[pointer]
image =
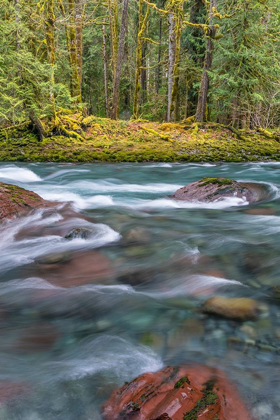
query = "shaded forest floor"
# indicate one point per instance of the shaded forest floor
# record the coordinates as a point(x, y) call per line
point(89, 139)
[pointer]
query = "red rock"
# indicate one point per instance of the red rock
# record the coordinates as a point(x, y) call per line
point(173, 393)
point(261, 212)
point(15, 200)
point(214, 189)
point(81, 268)
point(39, 337)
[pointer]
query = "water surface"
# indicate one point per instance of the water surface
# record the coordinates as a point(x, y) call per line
point(79, 318)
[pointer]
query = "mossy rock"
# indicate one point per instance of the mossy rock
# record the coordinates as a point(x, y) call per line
point(209, 190)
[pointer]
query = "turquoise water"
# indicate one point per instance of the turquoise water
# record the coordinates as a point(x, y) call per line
point(80, 317)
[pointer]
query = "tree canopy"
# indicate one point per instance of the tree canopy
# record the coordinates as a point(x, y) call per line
point(160, 60)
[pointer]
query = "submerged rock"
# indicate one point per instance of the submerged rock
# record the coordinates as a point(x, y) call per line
point(177, 393)
point(79, 232)
point(36, 338)
point(208, 190)
point(54, 258)
point(235, 308)
point(15, 200)
point(137, 235)
point(72, 269)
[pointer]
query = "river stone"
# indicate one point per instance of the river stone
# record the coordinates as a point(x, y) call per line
point(137, 235)
point(208, 190)
point(36, 338)
point(79, 232)
point(15, 201)
point(177, 393)
point(235, 308)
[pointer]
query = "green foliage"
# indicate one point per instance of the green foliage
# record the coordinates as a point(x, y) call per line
point(245, 75)
point(244, 86)
point(24, 75)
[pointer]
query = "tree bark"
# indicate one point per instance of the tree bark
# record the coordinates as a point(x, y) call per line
point(158, 71)
point(74, 62)
point(200, 115)
point(117, 78)
point(79, 12)
point(171, 61)
point(144, 74)
point(50, 20)
point(201, 108)
point(105, 64)
point(175, 27)
point(37, 125)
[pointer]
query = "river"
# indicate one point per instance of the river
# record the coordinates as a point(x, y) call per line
point(80, 317)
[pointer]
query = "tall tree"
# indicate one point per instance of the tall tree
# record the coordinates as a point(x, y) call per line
point(139, 56)
point(210, 30)
point(175, 19)
point(118, 66)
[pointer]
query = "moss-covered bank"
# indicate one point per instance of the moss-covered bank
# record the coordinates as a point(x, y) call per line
point(99, 139)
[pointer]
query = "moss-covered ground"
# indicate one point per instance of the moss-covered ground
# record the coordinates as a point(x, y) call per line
point(89, 139)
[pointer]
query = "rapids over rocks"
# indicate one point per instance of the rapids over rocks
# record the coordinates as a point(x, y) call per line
point(117, 279)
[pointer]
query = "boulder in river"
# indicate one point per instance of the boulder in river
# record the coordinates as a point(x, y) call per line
point(15, 200)
point(177, 393)
point(208, 190)
point(235, 308)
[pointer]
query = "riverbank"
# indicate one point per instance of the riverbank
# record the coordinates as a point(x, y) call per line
point(89, 139)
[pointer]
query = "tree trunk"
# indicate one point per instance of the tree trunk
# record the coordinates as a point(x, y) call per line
point(117, 78)
point(158, 71)
point(37, 125)
point(144, 74)
point(114, 32)
point(74, 62)
point(50, 20)
point(171, 61)
point(105, 70)
point(200, 115)
point(201, 108)
point(79, 12)
point(139, 52)
point(175, 27)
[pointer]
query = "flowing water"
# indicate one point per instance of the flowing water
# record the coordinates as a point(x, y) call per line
point(80, 317)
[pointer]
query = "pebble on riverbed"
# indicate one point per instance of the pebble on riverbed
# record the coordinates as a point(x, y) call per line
point(235, 308)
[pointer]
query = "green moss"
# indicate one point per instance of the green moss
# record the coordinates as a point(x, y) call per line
point(216, 181)
point(209, 398)
point(182, 382)
point(126, 141)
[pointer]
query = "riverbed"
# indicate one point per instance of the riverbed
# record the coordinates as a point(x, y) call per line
point(81, 316)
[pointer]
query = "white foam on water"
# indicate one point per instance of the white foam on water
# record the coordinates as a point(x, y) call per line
point(28, 283)
point(107, 353)
point(264, 224)
point(177, 204)
point(158, 165)
point(191, 285)
point(100, 201)
point(21, 252)
point(202, 164)
point(184, 287)
point(16, 173)
point(106, 186)
point(66, 172)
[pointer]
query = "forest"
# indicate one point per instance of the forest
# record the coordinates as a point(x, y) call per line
point(167, 60)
